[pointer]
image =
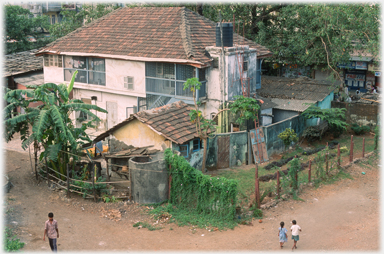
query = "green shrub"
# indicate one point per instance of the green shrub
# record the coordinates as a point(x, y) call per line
point(377, 135)
point(11, 243)
point(288, 136)
point(359, 130)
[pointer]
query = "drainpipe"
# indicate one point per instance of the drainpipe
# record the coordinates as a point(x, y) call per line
point(197, 90)
point(223, 69)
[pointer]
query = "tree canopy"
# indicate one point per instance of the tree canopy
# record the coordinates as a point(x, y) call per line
point(306, 34)
point(20, 26)
point(73, 20)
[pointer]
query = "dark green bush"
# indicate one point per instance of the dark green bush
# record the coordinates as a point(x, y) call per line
point(359, 130)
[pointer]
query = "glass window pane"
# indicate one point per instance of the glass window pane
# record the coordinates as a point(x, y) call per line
point(80, 77)
point(184, 72)
point(181, 92)
point(96, 64)
point(150, 69)
point(160, 86)
point(96, 78)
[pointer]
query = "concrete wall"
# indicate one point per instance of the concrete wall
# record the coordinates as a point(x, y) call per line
point(325, 103)
point(137, 134)
point(362, 114)
point(149, 180)
point(273, 143)
point(113, 91)
point(237, 150)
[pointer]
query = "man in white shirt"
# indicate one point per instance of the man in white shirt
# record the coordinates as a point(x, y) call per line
point(295, 233)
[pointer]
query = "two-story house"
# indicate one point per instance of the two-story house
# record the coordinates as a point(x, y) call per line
point(138, 58)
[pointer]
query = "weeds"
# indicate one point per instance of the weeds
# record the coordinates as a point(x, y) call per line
point(11, 243)
point(146, 225)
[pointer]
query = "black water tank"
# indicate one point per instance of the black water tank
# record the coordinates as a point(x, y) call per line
point(227, 35)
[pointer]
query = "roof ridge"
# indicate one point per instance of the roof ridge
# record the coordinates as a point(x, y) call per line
point(185, 30)
point(81, 28)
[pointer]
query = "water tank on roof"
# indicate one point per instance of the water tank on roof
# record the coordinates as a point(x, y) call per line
point(227, 35)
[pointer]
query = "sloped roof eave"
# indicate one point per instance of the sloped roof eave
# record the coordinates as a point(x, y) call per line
point(130, 58)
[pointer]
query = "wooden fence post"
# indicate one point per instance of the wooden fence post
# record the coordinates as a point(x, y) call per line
point(35, 152)
point(338, 156)
point(309, 171)
point(68, 195)
point(93, 180)
point(108, 165)
point(363, 146)
point(169, 183)
point(257, 193)
point(351, 150)
point(46, 170)
point(278, 183)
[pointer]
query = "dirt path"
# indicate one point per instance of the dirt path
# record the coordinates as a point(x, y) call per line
point(340, 217)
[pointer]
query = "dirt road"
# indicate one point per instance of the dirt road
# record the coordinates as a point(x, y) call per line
point(340, 217)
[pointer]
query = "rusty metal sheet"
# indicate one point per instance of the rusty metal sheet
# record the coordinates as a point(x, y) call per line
point(223, 152)
point(258, 145)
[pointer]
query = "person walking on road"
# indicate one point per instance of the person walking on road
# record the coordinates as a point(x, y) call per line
point(282, 234)
point(295, 233)
point(52, 231)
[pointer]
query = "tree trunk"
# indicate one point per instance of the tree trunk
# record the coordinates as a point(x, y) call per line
point(204, 154)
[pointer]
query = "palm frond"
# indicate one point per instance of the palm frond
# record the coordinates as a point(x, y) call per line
point(41, 124)
point(53, 151)
point(58, 121)
point(70, 87)
point(27, 142)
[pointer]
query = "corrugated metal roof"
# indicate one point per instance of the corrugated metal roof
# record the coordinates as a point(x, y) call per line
point(30, 79)
point(293, 105)
point(302, 88)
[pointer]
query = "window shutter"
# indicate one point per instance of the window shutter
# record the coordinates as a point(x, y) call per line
point(60, 61)
point(130, 83)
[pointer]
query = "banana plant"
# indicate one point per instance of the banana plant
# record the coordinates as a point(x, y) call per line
point(51, 124)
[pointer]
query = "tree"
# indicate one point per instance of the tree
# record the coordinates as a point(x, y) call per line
point(335, 117)
point(247, 107)
point(288, 136)
point(73, 20)
point(318, 34)
point(20, 26)
point(204, 127)
point(51, 123)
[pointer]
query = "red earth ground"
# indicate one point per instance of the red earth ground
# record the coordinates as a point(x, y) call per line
point(343, 216)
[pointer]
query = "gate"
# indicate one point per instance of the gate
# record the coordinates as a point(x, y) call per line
point(223, 151)
point(258, 142)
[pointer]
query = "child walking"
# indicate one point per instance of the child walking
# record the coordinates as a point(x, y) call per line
point(295, 233)
point(282, 234)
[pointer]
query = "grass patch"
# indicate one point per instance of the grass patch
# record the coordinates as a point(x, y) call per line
point(186, 217)
point(146, 225)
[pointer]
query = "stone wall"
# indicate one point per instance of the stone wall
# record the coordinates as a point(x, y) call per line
point(362, 114)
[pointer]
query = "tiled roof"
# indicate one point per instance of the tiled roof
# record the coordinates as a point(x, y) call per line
point(164, 33)
point(22, 62)
point(170, 121)
point(302, 88)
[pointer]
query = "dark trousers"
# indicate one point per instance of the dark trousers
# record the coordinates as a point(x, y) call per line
point(52, 244)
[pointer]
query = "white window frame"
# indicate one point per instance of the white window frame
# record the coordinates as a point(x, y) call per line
point(127, 84)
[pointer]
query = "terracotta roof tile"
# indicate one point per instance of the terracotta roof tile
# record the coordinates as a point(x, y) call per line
point(152, 32)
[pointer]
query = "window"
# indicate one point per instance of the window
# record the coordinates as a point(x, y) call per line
point(184, 150)
point(128, 83)
point(53, 60)
point(91, 70)
point(53, 19)
point(245, 66)
point(196, 144)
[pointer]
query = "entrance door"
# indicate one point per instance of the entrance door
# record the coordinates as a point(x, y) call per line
point(112, 114)
point(223, 151)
